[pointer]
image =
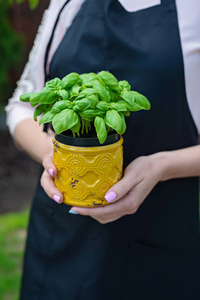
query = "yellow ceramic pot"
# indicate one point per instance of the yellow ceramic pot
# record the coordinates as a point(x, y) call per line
point(85, 174)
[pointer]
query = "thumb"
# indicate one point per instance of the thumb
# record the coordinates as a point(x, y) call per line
point(121, 188)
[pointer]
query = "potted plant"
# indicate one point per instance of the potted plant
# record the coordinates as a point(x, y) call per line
point(87, 113)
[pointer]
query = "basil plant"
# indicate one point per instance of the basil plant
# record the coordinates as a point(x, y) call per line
point(83, 102)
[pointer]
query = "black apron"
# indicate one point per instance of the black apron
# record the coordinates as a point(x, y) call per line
point(154, 253)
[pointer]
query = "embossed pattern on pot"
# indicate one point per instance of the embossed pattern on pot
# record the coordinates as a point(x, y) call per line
point(86, 174)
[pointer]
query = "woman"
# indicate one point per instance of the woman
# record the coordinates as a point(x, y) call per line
point(147, 243)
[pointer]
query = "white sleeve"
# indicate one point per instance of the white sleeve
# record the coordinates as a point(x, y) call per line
point(32, 78)
point(189, 25)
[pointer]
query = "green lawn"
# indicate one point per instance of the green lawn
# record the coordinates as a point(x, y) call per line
point(12, 239)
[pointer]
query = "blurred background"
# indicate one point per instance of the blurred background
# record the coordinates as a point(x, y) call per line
point(18, 173)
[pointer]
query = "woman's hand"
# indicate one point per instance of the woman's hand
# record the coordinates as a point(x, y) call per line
point(139, 179)
point(47, 181)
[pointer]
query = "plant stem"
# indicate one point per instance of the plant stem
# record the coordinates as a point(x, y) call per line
point(83, 125)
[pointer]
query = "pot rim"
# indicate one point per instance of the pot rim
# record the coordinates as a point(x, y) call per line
point(86, 142)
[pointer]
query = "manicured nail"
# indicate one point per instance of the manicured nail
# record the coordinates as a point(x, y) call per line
point(51, 172)
point(56, 198)
point(110, 197)
point(73, 212)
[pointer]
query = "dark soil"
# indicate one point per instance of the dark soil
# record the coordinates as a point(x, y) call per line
point(18, 176)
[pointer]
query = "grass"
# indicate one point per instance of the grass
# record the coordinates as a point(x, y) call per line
point(12, 241)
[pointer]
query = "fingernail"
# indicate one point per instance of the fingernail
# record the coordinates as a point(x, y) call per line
point(110, 197)
point(73, 212)
point(51, 172)
point(56, 198)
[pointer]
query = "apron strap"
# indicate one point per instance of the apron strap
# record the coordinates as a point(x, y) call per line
point(50, 41)
point(47, 51)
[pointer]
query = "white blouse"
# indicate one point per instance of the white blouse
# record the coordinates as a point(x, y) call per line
point(32, 79)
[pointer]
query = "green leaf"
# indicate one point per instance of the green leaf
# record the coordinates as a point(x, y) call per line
point(47, 117)
point(40, 109)
point(34, 99)
point(100, 127)
point(141, 100)
point(100, 113)
point(76, 128)
point(114, 120)
point(124, 85)
point(70, 104)
point(85, 93)
point(101, 90)
point(44, 97)
point(44, 90)
point(64, 94)
point(135, 107)
point(136, 100)
point(65, 120)
point(126, 113)
point(123, 124)
point(26, 97)
point(128, 97)
point(102, 105)
point(54, 84)
point(85, 86)
point(75, 91)
point(82, 77)
point(69, 80)
point(118, 106)
point(114, 96)
point(110, 80)
point(90, 78)
point(94, 100)
point(33, 104)
point(81, 104)
point(88, 114)
point(60, 105)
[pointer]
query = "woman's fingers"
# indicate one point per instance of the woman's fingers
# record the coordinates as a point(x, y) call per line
point(139, 179)
point(109, 213)
point(49, 187)
point(122, 187)
point(49, 166)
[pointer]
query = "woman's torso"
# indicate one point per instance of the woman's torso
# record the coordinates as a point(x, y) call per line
point(154, 252)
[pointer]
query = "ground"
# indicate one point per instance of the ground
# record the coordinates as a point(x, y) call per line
point(18, 176)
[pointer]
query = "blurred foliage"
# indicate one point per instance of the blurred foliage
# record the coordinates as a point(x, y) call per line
point(11, 45)
point(12, 240)
point(32, 3)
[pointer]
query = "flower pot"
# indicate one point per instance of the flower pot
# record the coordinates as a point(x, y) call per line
point(87, 169)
